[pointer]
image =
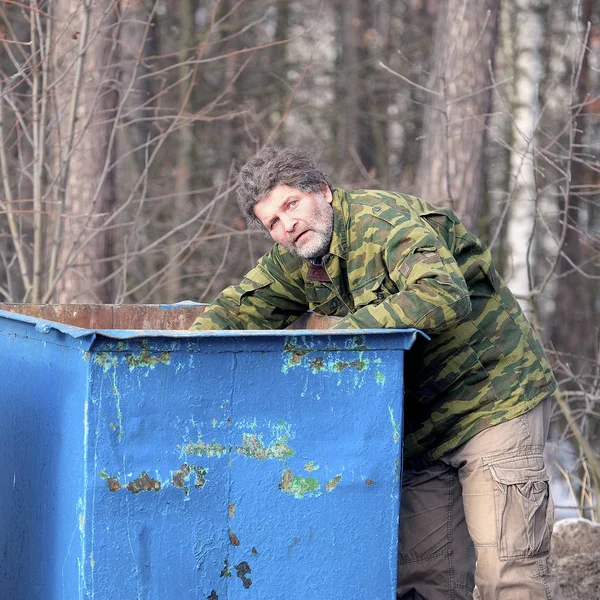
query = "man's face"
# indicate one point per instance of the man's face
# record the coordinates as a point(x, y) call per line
point(302, 223)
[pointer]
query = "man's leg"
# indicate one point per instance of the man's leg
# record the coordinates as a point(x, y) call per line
point(436, 556)
point(508, 507)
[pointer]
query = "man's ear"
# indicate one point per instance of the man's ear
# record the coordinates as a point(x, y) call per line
point(326, 191)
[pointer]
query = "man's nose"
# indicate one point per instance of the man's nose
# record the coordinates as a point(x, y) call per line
point(288, 223)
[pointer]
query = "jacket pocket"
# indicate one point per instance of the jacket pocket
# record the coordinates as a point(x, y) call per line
point(523, 506)
point(256, 279)
point(439, 379)
point(373, 292)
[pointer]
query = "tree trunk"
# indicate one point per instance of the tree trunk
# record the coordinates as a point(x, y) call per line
point(86, 158)
point(576, 331)
point(450, 169)
point(528, 31)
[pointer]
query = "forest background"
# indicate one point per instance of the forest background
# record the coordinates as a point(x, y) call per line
point(123, 124)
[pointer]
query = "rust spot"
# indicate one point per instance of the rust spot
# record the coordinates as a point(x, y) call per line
point(340, 366)
point(143, 483)
point(233, 539)
point(369, 482)
point(147, 359)
point(213, 596)
point(228, 421)
point(332, 483)
point(317, 364)
point(231, 511)
point(254, 552)
point(225, 572)
point(112, 426)
point(297, 353)
point(243, 569)
point(181, 475)
point(113, 484)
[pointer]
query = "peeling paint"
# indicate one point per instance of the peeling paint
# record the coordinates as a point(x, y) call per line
point(297, 353)
point(379, 377)
point(233, 539)
point(181, 476)
point(117, 395)
point(369, 482)
point(360, 365)
point(254, 551)
point(396, 426)
point(310, 466)
point(113, 484)
point(297, 486)
point(213, 596)
point(147, 359)
point(143, 483)
point(121, 346)
point(231, 511)
point(332, 483)
point(357, 343)
point(243, 570)
point(106, 360)
point(253, 447)
point(200, 448)
point(225, 572)
point(317, 364)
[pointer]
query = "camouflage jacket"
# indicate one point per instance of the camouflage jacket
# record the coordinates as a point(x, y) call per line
point(396, 261)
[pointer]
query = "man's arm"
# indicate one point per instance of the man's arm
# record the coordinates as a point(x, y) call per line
point(433, 294)
point(270, 296)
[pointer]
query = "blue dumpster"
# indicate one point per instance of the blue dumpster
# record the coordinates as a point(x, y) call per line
point(211, 465)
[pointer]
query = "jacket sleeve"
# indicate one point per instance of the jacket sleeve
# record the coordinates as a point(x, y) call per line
point(432, 293)
point(270, 296)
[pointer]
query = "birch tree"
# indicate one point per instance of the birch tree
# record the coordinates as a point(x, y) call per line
point(523, 22)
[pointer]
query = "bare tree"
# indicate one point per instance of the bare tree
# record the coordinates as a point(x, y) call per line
point(451, 165)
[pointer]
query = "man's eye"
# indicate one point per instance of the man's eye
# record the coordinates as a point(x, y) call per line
point(293, 203)
point(273, 223)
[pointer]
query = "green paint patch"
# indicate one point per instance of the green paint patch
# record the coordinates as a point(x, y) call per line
point(297, 486)
point(121, 346)
point(395, 425)
point(310, 466)
point(106, 360)
point(201, 448)
point(332, 483)
point(253, 447)
point(379, 377)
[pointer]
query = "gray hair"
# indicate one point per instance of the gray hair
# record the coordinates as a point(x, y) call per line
point(272, 167)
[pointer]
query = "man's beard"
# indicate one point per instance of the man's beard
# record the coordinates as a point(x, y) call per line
point(320, 230)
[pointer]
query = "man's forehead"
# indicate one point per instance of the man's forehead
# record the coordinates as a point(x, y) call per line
point(280, 192)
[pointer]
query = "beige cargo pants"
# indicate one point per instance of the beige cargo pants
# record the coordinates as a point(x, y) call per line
point(487, 504)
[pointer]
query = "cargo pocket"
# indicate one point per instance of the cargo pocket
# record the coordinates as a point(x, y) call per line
point(524, 509)
point(257, 278)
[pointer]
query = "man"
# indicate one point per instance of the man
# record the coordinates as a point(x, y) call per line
point(477, 406)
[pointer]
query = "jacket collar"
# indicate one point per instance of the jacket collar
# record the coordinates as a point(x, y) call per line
point(339, 239)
